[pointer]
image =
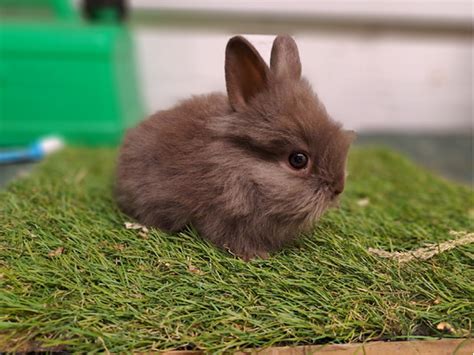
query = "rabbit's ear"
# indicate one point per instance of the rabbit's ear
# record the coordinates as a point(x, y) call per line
point(285, 60)
point(246, 73)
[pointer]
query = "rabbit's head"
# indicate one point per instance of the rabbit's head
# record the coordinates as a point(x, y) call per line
point(281, 134)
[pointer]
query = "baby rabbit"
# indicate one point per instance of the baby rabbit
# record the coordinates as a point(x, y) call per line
point(250, 170)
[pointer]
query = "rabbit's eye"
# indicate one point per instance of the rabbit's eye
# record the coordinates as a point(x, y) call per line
point(298, 160)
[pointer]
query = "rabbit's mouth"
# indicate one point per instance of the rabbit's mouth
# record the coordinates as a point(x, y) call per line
point(334, 199)
point(335, 202)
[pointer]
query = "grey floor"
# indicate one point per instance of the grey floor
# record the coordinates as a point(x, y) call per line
point(448, 155)
point(11, 171)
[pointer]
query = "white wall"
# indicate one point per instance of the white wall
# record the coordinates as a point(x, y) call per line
point(388, 83)
point(370, 81)
point(441, 10)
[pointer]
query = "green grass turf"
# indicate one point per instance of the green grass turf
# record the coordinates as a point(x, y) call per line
point(114, 289)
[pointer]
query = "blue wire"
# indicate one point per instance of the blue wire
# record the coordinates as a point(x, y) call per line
point(34, 152)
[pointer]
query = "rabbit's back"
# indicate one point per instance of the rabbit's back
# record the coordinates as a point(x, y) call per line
point(157, 156)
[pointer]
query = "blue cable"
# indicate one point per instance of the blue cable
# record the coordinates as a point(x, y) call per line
point(32, 153)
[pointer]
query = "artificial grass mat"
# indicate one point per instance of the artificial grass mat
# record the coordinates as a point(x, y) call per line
point(119, 289)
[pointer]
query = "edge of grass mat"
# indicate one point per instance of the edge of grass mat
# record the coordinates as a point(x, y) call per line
point(389, 268)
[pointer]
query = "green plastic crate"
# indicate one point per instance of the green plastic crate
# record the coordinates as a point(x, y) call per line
point(66, 77)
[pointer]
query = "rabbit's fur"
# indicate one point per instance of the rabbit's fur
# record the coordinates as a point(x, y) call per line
point(221, 163)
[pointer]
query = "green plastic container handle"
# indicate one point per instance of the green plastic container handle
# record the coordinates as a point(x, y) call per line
point(105, 11)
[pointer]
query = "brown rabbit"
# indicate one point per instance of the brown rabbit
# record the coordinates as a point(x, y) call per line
point(251, 170)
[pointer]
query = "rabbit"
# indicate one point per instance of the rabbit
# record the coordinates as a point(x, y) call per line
point(250, 171)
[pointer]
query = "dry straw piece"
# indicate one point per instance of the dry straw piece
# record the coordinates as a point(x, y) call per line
point(136, 226)
point(56, 252)
point(427, 252)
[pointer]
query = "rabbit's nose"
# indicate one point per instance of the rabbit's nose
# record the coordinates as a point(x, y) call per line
point(338, 186)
